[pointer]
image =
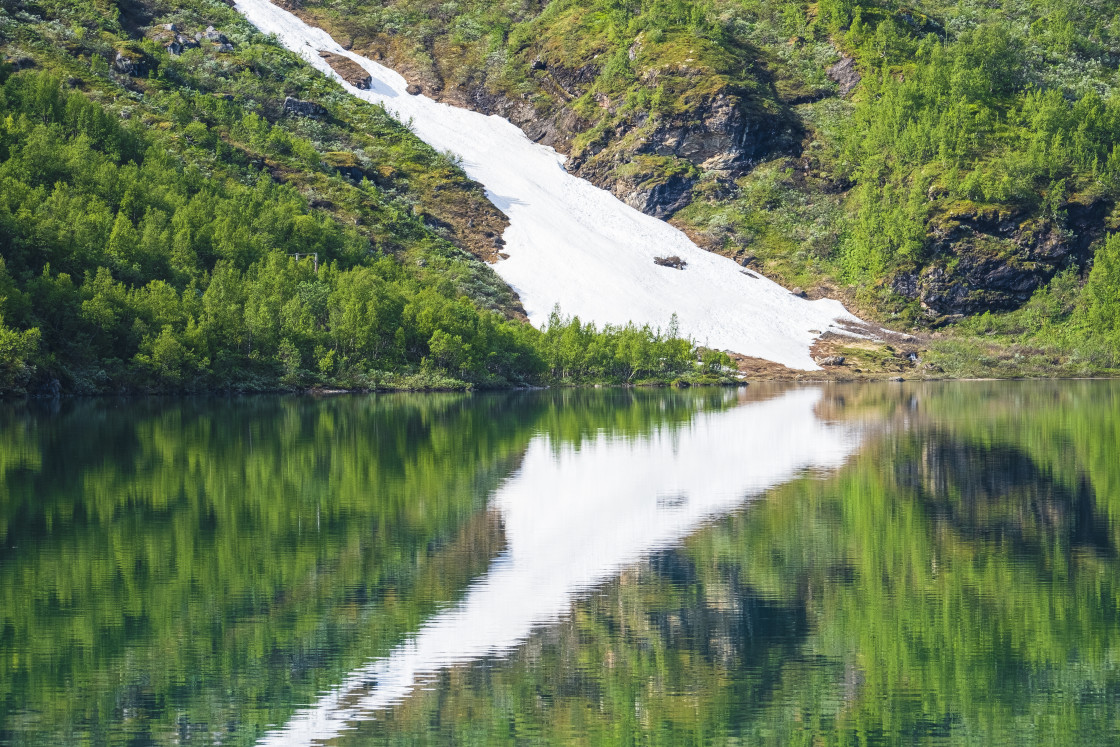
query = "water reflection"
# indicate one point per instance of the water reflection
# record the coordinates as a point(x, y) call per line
point(574, 516)
point(955, 582)
point(918, 564)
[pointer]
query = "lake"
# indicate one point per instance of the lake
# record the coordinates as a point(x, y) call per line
point(908, 563)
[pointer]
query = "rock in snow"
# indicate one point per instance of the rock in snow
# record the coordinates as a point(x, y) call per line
point(570, 242)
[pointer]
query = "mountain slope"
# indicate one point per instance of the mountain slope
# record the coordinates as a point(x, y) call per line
point(960, 161)
point(187, 206)
point(571, 244)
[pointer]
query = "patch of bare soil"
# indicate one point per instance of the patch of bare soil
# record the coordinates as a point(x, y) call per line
point(350, 71)
point(879, 354)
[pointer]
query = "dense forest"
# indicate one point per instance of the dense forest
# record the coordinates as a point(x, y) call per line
point(174, 222)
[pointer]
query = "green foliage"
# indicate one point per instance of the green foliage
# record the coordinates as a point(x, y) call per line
point(141, 273)
point(1102, 296)
point(17, 349)
point(581, 352)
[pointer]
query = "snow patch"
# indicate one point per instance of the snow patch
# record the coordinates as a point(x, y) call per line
point(570, 242)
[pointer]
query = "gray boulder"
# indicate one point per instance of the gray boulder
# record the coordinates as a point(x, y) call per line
point(845, 74)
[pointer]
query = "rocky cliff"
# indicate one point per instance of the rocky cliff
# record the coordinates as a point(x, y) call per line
point(994, 260)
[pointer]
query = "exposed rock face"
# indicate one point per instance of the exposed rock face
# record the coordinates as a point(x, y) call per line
point(130, 63)
point(180, 43)
point(212, 35)
point(573, 81)
point(660, 199)
point(350, 71)
point(845, 74)
point(674, 261)
point(727, 133)
point(718, 136)
point(20, 63)
point(297, 108)
point(992, 261)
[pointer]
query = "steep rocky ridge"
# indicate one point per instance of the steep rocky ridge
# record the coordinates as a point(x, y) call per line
point(747, 127)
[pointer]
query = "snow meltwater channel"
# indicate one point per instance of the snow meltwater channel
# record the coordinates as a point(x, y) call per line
point(570, 242)
point(573, 517)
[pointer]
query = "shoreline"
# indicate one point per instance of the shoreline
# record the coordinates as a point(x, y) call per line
point(473, 390)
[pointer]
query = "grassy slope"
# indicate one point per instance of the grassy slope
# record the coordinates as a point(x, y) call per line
point(965, 111)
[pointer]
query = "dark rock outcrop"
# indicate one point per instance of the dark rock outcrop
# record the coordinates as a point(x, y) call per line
point(219, 39)
point(573, 82)
point(988, 260)
point(20, 63)
point(180, 44)
point(721, 135)
point(297, 108)
point(658, 198)
point(675, 262)
point(128, 62)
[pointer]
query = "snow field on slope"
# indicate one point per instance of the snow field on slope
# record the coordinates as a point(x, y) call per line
point(574, 244)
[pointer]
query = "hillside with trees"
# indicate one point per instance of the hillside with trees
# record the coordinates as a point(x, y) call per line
point(947, 168)
point(187, 207)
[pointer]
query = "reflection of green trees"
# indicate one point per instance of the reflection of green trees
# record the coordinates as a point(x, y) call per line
point(217, 557)
point(179, 567)
point(956, 582)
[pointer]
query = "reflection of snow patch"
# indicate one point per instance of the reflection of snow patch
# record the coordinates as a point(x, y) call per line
point(573, 518)
point(572, 243)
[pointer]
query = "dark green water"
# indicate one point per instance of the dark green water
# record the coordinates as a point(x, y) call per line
point(881, 564)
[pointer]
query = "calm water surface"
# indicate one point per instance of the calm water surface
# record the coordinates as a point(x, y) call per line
point(845, 564)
